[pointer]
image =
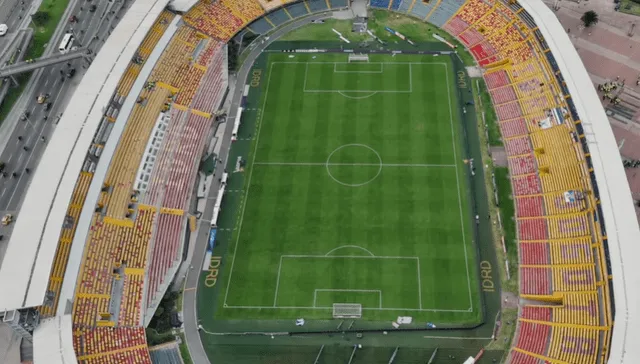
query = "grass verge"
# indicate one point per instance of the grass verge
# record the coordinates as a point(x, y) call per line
point(184, 350)
point(630, 7)
point(43, 32)
point(507, 213)
point(490, 119)
point(13, 95)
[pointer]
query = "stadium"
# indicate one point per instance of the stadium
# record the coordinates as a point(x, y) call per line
point(322, 200)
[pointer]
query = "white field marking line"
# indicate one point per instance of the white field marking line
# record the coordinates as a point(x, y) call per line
point(353, 164)
point(455, 158)
point(331, 308)
point(421, 63)
point(354, 184)
point(246, 196)
point(306, 72)
point(359, 91)
point(315, 293)
point(345, 256)
point(275, 297)
point(356, 97)
point(419, 285)
point(349, 246)
point(335, 70)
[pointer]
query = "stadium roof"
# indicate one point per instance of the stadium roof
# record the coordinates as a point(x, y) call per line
point(619, 215)
point(53, 341)
point(182, 5)
point(24, 273)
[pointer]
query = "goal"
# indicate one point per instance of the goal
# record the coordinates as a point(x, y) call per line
point(354, 57)
point(347, 310)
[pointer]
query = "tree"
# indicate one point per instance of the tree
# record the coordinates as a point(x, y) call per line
point(159, 312)
point(589, 18)
point(40, 17)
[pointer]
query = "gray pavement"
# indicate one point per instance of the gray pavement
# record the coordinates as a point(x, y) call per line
point(13, 13)
point(22, 142)
point(25, 66)
point(194, 343)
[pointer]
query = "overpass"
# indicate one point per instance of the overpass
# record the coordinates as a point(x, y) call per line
point(27, 66)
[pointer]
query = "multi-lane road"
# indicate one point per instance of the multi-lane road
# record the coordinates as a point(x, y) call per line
point(13, 14)
point(24, 141)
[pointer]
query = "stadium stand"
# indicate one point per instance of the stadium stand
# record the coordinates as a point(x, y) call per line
point(278, 17)
point(124, 263)
point(560, 250)
point(82, 186)
point(135, 237)
point(223, 19)
point(113, 272)
point(165, 354)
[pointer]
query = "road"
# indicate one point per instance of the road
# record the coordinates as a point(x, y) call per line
point(12, 13)
point(194, 343)
point(25, 143)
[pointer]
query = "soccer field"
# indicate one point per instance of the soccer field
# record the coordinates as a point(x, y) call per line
point(355, 191)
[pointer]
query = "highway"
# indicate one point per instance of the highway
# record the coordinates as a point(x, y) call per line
point(13, 13)
point(25, 140)
point(190, 314)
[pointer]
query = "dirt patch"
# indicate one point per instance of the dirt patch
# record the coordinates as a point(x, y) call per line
point(509, 300)
point(474, 72)
point(499, 156)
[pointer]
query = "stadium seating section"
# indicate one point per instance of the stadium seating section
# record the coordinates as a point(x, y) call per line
point(135, 236)
point(131, 247)
point(561, 258)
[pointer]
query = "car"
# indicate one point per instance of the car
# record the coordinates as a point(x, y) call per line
point(71, 72)
point(24, 116)
point(92, 8)
point(2, 167)
point(47, 106)
point(3, 29)
point(42, 98)
point(7, 219)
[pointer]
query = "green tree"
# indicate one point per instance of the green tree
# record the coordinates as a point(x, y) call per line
point(159, 311)
point(589, 18)
point(40, 17)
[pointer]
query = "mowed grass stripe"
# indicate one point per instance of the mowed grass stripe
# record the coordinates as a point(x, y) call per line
point(433, 238)
point(404, 211)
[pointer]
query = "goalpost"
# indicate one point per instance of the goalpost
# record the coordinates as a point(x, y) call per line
point(347, 310)
point(355, 57)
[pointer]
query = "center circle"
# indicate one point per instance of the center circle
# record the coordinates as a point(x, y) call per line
point(349, 156)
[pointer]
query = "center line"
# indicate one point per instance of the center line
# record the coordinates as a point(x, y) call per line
point(353, 164)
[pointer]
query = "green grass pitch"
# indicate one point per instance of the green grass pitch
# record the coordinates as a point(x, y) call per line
point(356, 192)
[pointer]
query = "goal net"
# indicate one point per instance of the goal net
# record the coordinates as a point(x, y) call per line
point(347, 310)
point(354, 57)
